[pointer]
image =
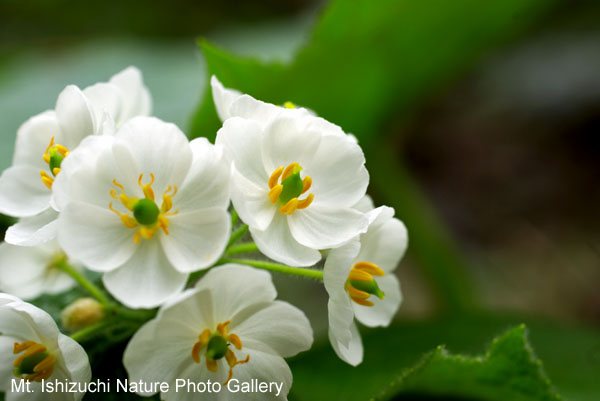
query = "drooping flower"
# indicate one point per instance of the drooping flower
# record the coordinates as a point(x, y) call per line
point(45, 140)
point(228, 326)
point(146, 207)
point(359, 279)
point(32, 349)
point(28, 272)
point(295, 178)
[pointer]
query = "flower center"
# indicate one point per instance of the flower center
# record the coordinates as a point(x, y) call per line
point(217, 346)
point(361, 284)
point(145, 213)
point(35, 364)
point(54, 155)
point(291, 186)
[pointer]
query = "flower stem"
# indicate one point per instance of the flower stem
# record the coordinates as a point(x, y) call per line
point(237, 234)
point(83, 281)
point(90, 331)
point(242, 248)
point(234, 217)
point(275, 267)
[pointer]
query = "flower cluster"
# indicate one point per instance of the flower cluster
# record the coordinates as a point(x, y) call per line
point(99, 183)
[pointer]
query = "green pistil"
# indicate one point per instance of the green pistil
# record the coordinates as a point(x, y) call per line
point(369, 287)
point(216, 348)
point(292, 186)
point(27, 365)
point(146, 212)
point(55, 159)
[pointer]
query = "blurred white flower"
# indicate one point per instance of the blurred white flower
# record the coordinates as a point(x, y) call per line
point(28, 272)
point(295, 177)
point(359, 279)
point(146, 207)
point(32, 349)
point(228, 326)
point(46, 139)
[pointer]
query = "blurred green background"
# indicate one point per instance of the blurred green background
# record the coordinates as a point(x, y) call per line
point(480, 124)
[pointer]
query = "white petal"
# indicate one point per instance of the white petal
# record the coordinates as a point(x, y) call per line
point(207, 182)
point(75, 116)
point(241, 140)
point(196, 239)
point(251, 201)
point(277, 243)
point(321, 227)
point(136, 99)
point(147, 279)
point(286, 141)
point(22, 192)
point(186, 314)
point(6, 361)
point(22, 270)
point(105, 99)
point(95, 236)
point(76, 361)
point(159, 148)
point(337, 267)
point(263, 367)
point(385, 241)
point(29, 321)
point(365, 204)
point(235, 288)
point(223, 98)
point(288, 332)
point(35, 230)
point(338, 172)
point(351, 354)
point(383, 310)
point(33, 137)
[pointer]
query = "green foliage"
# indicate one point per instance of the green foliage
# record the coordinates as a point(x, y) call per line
point(509, 371)
point(508, 365)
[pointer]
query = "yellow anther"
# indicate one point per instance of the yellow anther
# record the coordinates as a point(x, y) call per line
point(235, 340)
point(289, 105)
point(146, 232)
point(147, 188)
point(275, 192)
point(42, 370)
point(290, 207)
point(61, 150)
point(126, 219)
point(275, 177)
point(212, 365)
point(202, 341)
point(304, 203)
point(223, 329)
point(46, 179)
point(55, 171)
point(48, 148)
point(362, 302)
point(359, 275)
point(168, 200)
point(307, 183)
point(45, 364)
point(232, 361)
point(46, 157)
point(17, 348)
point(289, 170)
point(354, 293)
point(369, 267)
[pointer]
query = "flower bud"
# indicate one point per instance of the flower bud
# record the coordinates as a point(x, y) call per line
point(82, 313)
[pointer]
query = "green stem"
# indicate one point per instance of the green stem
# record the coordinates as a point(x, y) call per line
point(91, 331)
point(242, 248)
point(237, 234)
point(234, 217)
point(275, 267)
point(83, 281)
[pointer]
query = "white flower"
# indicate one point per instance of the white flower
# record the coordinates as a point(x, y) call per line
point(29, 272)
point(360, 282)
point(146, 207)
point(46, 139)
point(295, 179)
point(32, 349)
point(228, 326)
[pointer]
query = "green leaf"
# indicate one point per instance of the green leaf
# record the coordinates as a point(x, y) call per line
point(571, 358)
point(509, 371)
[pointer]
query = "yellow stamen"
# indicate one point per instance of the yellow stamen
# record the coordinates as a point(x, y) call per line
point(202, 341)
point(289, 170)
point(354, 293)
point(307, 183)
point(362, 302)
point(275, 177)
point(43, 369)
point(46, 179)
point(147, 188)
point(359, 275)
point(235, 340)
point(275, 192)
point(232, 361)
point(289, 105)
point(304, 203)
point(289, 207)
point(370, 268)
point(212, 365)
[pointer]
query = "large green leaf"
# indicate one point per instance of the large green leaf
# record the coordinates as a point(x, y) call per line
point(320, 375)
